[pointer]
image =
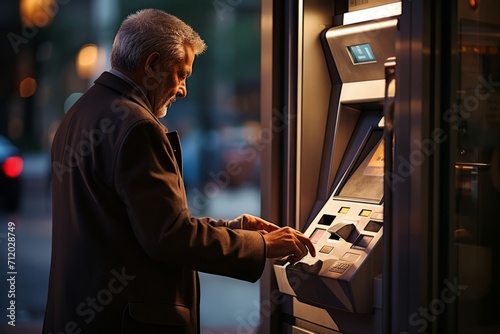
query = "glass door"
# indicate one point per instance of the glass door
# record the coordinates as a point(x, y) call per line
point(473, 120)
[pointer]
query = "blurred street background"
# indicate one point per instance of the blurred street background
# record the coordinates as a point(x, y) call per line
point(52, 50)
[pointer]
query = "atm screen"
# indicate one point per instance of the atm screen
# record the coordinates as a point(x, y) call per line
point(361, 53)
point(365, 182)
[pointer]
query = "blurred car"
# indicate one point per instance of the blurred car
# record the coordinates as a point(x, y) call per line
point(11, 167)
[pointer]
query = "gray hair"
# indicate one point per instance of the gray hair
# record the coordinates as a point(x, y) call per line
point(150, 30)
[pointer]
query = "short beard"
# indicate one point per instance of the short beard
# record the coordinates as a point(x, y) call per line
point(161, 113)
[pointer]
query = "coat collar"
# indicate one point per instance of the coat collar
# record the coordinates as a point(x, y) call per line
point(121, 86)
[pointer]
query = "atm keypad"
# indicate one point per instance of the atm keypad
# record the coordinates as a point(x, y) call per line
point(339, 267)
point(339, 253)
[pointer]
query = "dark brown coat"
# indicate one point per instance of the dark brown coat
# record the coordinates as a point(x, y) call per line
point(125, 248)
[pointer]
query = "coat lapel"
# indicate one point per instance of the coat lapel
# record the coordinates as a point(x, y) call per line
point(175, 142)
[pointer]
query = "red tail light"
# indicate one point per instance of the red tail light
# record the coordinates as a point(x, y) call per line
point(13, 167)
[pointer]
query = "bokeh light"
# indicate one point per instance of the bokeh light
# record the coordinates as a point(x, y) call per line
point(86, 61)
point(37, 13)
point(27, 87)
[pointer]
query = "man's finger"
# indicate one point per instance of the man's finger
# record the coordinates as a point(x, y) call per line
point(306, 241)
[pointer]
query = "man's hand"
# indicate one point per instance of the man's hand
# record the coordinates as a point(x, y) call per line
point(253, 223)
point(288, 242)
point(280, 242)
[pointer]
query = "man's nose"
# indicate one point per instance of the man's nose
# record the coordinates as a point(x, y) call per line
point(182, 92)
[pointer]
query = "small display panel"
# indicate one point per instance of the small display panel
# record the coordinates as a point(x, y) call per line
point(344, 210)
point(326, 220)
point(362, 241)
point(365, 213)
point(326, 249)
point(361, 53)
point(373, 226)
point(351, 257)
point(316, 235)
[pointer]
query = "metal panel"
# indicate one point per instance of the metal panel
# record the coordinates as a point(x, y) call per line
point(313, 97)
point(378, 34)
point(271, 182)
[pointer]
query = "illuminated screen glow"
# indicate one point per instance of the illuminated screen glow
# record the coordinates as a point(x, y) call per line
point(361, 53)
point(366, 182)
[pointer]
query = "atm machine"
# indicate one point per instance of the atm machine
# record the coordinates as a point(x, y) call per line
point(340, 290)
point(398, 190)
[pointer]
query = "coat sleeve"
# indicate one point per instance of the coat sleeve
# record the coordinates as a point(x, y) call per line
point(148, 182)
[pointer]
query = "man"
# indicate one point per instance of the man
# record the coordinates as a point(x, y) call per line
point(125, 248)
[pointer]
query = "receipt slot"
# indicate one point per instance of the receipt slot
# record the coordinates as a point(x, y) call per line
point(347, 230)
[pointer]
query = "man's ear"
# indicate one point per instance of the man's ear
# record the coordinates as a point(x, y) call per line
point(151, 65)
